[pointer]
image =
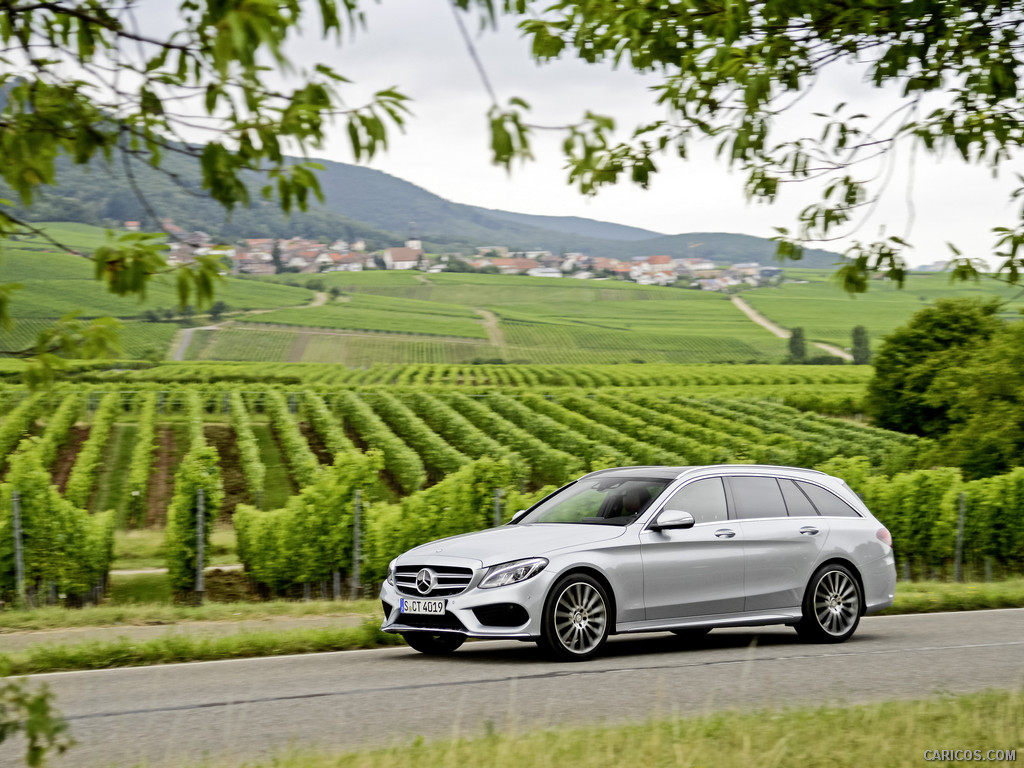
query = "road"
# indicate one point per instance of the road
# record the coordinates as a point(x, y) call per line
point(242, 710)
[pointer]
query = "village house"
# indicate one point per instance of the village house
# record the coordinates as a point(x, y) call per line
point(402, 258)
point(516, 266)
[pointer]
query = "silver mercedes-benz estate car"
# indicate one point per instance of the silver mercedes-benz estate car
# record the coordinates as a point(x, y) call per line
point(642, 549)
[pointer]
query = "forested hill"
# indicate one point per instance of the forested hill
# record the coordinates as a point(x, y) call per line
point(365, 203)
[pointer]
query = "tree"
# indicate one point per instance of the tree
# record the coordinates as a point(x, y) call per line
point(729, 70)
point(80, 82)
point(275, 256)
point(861, 346)
point(937, 338)
point(797, 346)
point(984, 398)
point(30, 711)
point(217, 309)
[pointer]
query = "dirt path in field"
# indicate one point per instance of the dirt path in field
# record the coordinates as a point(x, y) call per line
point(222, 438)
point(782, 333)
point(186, 339)
point(67, 455)
point(160, 487)
point(316, 445)
point(298, 348)
point(494, 333)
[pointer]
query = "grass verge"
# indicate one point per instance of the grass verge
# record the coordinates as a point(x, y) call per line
point(934, 596)
point(895, 733)
point(147, 614)
point(173, 648)
point(147, 548)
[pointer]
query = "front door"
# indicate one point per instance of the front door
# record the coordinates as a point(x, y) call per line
point(696, 571)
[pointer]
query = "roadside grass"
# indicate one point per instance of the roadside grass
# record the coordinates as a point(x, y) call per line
point(145, 548)
point(125, 606)
point(139, 589)
point(174, 648)
point(936, 596)
point(140, 614)
point(894, 733)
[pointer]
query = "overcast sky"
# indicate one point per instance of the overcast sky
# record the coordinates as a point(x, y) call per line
point(416, 46)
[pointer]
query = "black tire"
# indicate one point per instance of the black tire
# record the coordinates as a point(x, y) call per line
point(434, 644)
point(577, 618)
point(691, 635)
point(833, 604)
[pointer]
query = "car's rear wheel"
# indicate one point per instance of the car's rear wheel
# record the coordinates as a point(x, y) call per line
point(832, 605)
point(576, 618)
point(434, 643)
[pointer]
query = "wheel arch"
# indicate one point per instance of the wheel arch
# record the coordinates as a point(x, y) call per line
point(849, 565)
point(596, 574)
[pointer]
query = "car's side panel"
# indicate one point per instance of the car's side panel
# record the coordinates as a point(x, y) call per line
point(619, 562)
point(780, 555)
point(693, 572)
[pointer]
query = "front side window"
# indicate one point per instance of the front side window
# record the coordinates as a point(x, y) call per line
point(704, 499)
point(598, 501)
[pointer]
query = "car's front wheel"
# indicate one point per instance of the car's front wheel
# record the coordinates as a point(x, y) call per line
point(576, 618)
point(434, 644)
point(832, 605)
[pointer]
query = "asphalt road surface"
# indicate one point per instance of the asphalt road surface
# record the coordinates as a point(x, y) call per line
point(243, 710)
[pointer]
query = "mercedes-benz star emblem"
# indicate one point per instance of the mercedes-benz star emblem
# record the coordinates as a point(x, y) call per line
point(426, 580)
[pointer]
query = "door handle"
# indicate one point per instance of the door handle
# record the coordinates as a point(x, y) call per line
point(809, 530)
point(724, 533)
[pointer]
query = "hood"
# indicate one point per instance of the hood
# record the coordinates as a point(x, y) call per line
point(513, 542)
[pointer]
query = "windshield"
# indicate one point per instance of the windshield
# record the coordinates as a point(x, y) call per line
point(599, 501)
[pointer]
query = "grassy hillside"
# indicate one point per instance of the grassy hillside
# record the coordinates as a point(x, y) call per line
point(827, 314)
point(508, 318)
point(55, 283)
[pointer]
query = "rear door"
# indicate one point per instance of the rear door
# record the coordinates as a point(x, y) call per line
point(782, 537)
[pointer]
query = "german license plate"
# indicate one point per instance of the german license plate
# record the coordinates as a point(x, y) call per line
point(433, 607)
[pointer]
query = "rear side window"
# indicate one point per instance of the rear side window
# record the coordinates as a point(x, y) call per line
point(704, 499)
point(754, 497)
point(796, 502)
point(828, 503)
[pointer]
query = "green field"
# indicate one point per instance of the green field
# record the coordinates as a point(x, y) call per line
point(376, 313)
point(827, 314)
point(535, 320)
point(55, 282)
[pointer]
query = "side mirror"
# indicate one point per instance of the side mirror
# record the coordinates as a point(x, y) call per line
point(673, 519)
point(517, 517)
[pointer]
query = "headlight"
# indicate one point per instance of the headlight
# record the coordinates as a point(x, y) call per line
point(391, 573)
point(513, 573)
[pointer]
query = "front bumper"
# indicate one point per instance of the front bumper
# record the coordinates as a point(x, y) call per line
point(460, 616)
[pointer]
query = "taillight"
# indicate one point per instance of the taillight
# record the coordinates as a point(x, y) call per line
point(883, 535)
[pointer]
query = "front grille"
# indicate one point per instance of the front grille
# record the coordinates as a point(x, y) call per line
point(451, 580)
point(446, 621)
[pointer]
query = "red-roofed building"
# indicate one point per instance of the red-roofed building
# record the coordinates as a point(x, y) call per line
point(514, 266)
point(402, 258)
